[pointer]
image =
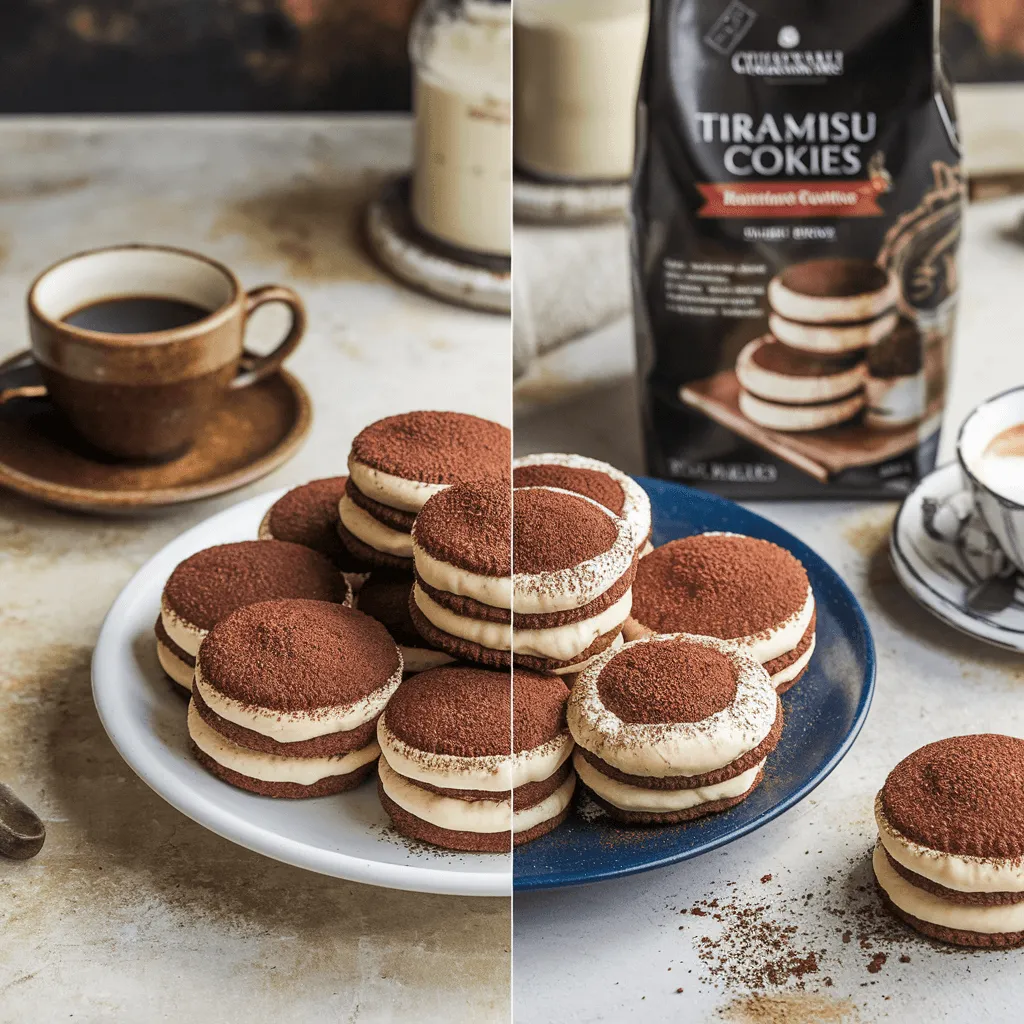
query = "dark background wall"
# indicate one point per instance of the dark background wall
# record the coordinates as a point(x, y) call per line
point(195, 55)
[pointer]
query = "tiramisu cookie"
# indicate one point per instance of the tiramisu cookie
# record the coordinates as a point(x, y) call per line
point(950, 856)
point(397, 463)
point(831, 339)
point(455, 771)
point(833, 291)
point(462, 597)
point(212, 583)
point(287, 695)
point(386, 599)
point(799, 419)
point(308, 515)
point(777, 373)
point(615, 490)
point(574, 565)
point(895, 388)
point(737, 588)
point(673, 727)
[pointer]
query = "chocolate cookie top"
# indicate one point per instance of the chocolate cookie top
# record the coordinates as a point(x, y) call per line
point(386, 599)
point(308, 515)
point(718, 584)
point(298, 656)
point(214, 582)
point(538, 709)
point(898, 355)
point(835, 278)
point(436, 447)
point(469, 526)
point(454, 710)
point(554, 530)
point(789, 362)
point(963, 795)
point(671, 681)
point(591, 482)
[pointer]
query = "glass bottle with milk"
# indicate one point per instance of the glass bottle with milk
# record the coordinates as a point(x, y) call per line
point(462, 180)
point(577, 72)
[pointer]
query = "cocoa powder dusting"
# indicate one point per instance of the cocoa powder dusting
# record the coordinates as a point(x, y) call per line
point(308, 515)
point(719, 585)
point(667, 682)
point(789, 362)
point(553, 530)
point(436, 447)
point(590, 482)
point(470, 526)
point(963, 795)
point(538, 708)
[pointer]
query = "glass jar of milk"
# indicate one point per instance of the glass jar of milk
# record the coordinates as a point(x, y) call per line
point(577, 72)
point(462, 180)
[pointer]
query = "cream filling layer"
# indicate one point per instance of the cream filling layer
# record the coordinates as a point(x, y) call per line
point(370, 531)
point(492, 774)
point(926, 906)
point(636, 505)
point(960, 872)
point(566, 670)
point(180, 671)
point(184, 634)
point(395, 491)
point(790, 673)
point(681, 748)
point(481, 816)
point(293, 726)
point(562, 643)
point(565, 589)
point(419, 659)
point(635, 798)
point(255, 764)
point(495, 591)
point(264, 532)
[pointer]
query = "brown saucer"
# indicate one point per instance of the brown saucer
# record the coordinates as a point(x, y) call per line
point(255, 430)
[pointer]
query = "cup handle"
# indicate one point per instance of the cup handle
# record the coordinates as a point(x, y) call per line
point(19, 361)
point(254, 367)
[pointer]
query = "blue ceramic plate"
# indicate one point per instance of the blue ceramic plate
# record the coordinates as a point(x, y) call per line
point(824, 713)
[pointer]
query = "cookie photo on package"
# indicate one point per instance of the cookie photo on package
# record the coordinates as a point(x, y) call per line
point(796, 218)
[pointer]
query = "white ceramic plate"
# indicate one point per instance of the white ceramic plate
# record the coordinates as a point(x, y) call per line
point(939, 549)
point(347, 835)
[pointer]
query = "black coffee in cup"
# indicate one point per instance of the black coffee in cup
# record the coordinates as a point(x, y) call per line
point(135, 314)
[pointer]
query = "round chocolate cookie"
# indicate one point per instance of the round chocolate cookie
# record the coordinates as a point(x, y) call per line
point(214, 582)
point(575, 562)
point(449, 774)
point(619, 493)
point(777, 373)
point(308, 515)
point(386, 599)
point(737, 588)
point(287, 694)
point(673, 727)
point(462, 551)
point(950, 857)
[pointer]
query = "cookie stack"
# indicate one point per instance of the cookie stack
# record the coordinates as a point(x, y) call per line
point(594, 479)
point(287, 695)
point(809, 372)
point(398, 463)
point(461, 601)
point(575, 561)
point(742, 589)
point(211, 584)
point(671, 728)
point(950, 855)
point(454, 773)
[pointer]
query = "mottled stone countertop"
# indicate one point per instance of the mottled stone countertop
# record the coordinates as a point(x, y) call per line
point(797, 894)
point(133, 913)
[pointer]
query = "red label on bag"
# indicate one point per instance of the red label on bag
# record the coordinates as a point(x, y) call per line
point(792, 199)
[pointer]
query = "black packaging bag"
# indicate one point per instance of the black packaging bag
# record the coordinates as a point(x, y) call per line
point(796, 218)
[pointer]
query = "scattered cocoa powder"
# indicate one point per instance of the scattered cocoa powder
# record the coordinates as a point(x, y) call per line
point(553, 530)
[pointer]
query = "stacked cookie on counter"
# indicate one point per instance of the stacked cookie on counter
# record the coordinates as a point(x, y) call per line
point(822, 363)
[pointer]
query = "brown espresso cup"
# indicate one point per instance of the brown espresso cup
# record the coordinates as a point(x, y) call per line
point(138, 344)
